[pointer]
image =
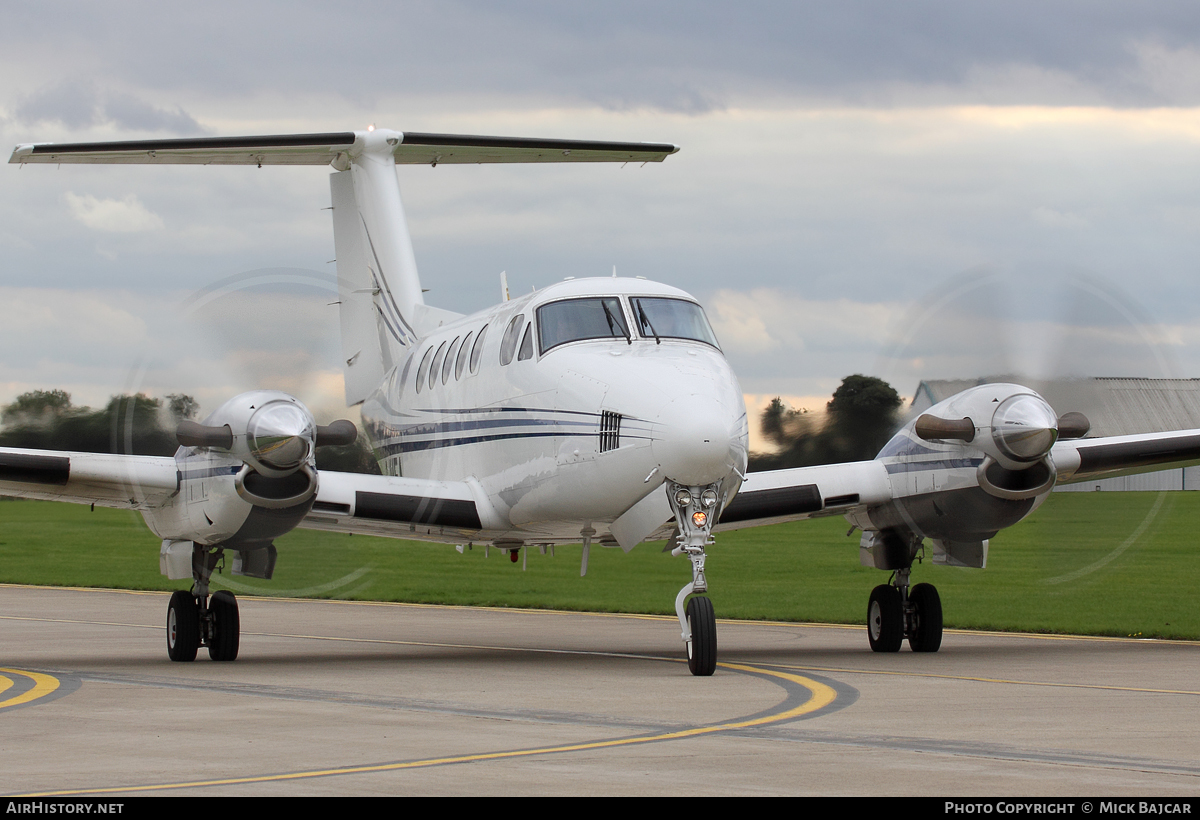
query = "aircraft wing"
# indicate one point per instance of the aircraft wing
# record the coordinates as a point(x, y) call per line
point(409, 148)
point(110, 480)
point(806, 492)
point(454, 512)
point(1092, 458)
point(423, 509)
point(836, 489)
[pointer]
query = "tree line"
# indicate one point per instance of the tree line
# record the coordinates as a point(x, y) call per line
point(858, 420)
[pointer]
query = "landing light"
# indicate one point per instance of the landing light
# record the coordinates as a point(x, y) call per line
point(683, 498)
point(699, 518)
point(708, 498)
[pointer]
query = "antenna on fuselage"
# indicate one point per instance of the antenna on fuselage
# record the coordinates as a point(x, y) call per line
point(614, 271)
point(504, 286)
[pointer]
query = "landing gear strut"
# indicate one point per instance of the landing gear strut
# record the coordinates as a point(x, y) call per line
point(695, 513)
point(195, 620)
point(896, 612)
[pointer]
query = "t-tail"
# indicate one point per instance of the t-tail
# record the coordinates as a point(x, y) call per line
point(383, 312)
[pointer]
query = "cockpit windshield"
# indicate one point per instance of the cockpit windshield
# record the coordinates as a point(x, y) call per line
point(659, 318)
point(576, 319)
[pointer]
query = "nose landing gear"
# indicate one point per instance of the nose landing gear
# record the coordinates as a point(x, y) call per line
point(695, 511)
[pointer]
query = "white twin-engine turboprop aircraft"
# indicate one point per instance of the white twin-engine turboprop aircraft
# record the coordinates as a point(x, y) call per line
point(594, 411)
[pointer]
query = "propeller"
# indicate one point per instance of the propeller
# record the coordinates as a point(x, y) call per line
point(1033, 341)
point(275, 328)
point(1047, 333)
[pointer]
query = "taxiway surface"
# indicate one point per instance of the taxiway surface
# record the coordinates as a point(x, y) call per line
point(356, 698)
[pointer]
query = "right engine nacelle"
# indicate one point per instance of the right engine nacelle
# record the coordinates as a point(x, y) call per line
point(247, 473)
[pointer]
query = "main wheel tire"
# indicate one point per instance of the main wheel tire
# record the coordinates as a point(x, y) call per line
point(885, 619)
point(702, 651)
point(926, 633)
point(183, 627)
point(226, 626)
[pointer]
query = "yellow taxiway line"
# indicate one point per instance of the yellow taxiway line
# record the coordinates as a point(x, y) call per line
point(820, 696)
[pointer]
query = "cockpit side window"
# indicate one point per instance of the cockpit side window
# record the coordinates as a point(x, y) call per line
point(575, 320)
point(660, 318)
point(508, 345)
point(526, 344)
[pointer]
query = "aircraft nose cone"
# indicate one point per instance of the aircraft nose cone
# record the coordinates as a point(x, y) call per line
point(1024, 428)
point(694, 440)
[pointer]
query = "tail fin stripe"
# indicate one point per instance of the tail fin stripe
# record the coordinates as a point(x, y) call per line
point(381, 283)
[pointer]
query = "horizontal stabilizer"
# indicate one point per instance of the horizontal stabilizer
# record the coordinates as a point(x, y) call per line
point(409, 148)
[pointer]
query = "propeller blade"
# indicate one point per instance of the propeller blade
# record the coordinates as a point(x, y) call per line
point(1073, 425)
point(931, 427)
point(193, 434)
point(337, 433)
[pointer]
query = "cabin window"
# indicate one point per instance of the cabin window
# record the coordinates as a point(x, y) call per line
point(574, 320)
point(477, 351)
point(526, 344)
point(399, 379)
point(449, 365)
point(659, 318)
point(436, 365)
point(463, 351)
point(508, 345)
point(423, 370)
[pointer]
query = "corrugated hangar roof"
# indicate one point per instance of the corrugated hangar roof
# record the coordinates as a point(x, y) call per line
point(1115, 406)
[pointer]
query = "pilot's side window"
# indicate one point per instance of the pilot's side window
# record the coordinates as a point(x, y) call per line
point(508, 345)
point(477, 351)
point(423, 370)
point(526, 344)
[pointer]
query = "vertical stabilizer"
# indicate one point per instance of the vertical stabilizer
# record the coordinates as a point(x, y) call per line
point(378, 284)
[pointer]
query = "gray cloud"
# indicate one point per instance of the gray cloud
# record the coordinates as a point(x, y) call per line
point(83, 105)
point(673, 56)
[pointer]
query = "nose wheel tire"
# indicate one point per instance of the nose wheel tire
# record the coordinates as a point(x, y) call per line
point(885, 619)
point(926, 633)
point(183, 627)
point(226, 626)
point(702, 648)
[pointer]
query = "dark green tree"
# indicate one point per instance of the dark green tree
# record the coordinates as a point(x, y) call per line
point(859, 419)
point(182, 406)
point(37, 407)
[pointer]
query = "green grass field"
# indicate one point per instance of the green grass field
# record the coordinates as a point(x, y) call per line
point(1087, 563)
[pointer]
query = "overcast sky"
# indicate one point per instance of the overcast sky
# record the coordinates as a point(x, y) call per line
point(914, 190)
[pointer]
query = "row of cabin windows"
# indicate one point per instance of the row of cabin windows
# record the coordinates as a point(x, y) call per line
point(454, 356)
point(570, 320)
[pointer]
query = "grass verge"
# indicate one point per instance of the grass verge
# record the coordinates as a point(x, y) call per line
point(1098, 563)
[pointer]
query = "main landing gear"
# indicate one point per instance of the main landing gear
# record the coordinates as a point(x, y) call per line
point(194, 619)
point(897, 611)
point(695, 509)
